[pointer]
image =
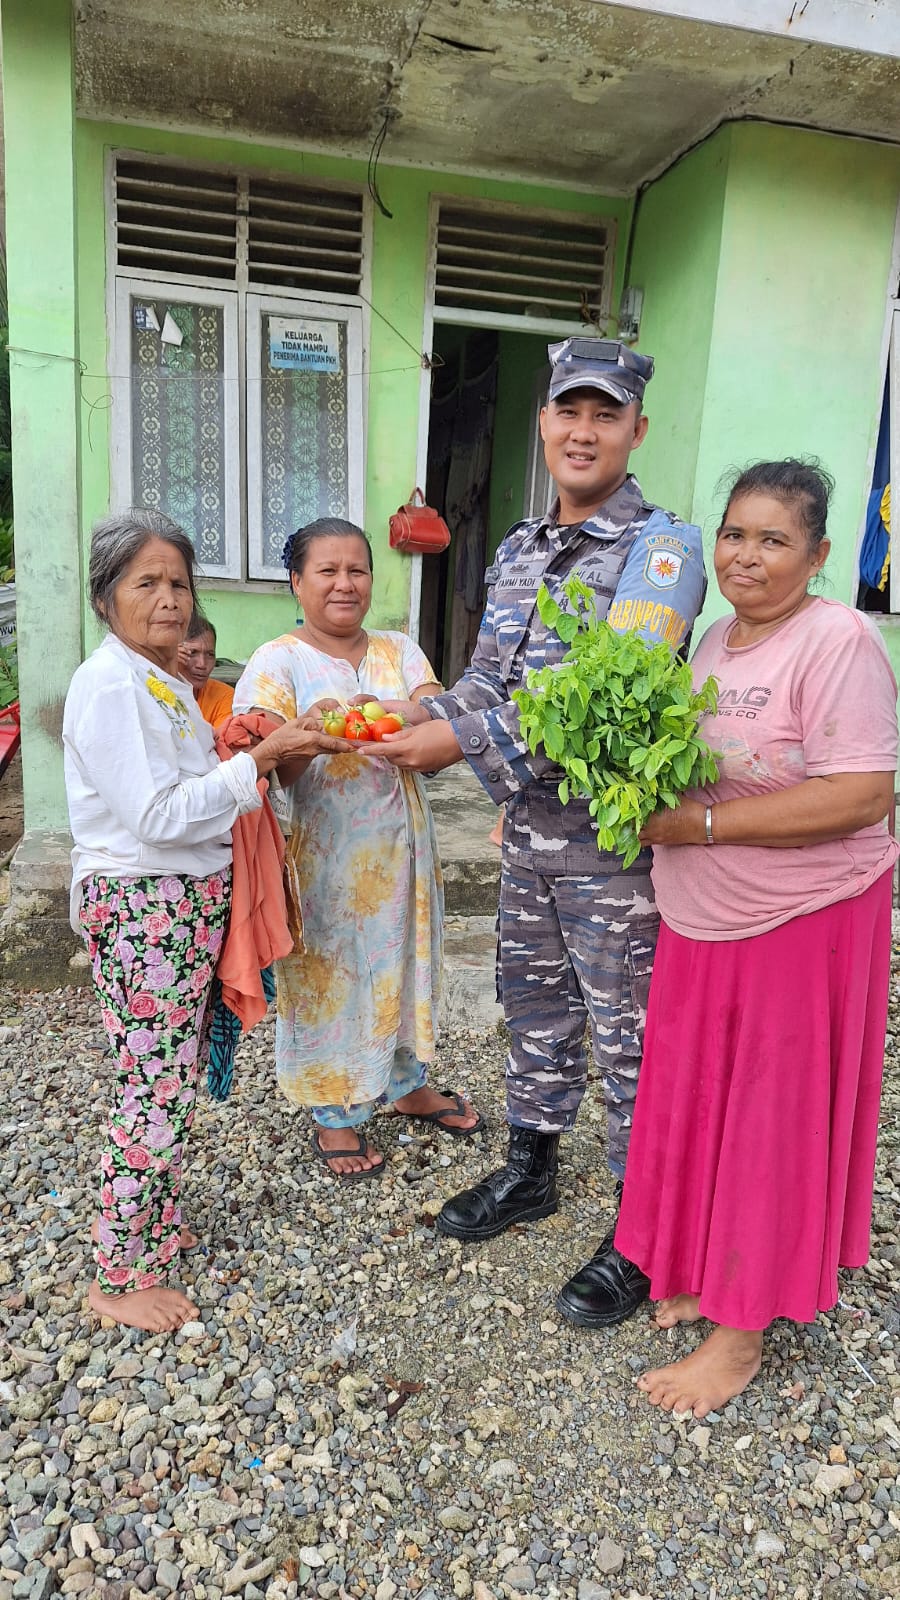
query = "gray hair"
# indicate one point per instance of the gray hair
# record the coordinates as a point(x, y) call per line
point(116, 540)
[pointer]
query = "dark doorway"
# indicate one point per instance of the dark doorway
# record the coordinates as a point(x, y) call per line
point(485, 472)
point(460, 446)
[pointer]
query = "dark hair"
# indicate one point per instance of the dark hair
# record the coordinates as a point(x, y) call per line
point(115, 541)
point(198, 626)
point(296, 548)
point(805, 485)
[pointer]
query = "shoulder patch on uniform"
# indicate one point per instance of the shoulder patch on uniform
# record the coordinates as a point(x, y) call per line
point(666, 556)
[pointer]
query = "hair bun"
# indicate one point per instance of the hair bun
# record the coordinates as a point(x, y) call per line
point(288, 551)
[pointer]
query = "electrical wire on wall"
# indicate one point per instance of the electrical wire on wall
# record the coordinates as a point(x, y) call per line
point(374, 157)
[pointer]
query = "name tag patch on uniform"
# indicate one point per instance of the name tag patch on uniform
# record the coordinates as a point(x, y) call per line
point(665, 561)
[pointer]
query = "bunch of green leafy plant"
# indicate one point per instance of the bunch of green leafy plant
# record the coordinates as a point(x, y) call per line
point(7, 557)
point(9, 675)
point(619, 716)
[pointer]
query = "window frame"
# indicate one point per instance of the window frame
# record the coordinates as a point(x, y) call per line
point(324, 307)
point(539, 490)
point(180, 292)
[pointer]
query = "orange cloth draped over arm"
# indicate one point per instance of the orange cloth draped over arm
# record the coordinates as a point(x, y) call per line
point(258, 931)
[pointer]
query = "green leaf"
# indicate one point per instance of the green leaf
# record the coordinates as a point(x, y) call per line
point(548, 610)
point(621, 718)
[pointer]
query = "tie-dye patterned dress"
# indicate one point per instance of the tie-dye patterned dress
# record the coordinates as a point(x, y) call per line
point(357, 1007)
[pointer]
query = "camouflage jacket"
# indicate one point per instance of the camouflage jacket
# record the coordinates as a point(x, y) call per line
point(646, 569)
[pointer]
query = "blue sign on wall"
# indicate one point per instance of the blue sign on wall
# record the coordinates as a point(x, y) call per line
point(303, 345)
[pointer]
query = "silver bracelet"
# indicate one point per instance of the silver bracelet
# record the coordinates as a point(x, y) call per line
point(709, 832)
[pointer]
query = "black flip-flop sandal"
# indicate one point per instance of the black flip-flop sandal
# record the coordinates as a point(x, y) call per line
point(459, 1108)
point(327, 1156)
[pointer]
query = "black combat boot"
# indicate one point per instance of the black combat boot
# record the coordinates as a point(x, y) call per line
point(522, 1191)
point(606, 1290)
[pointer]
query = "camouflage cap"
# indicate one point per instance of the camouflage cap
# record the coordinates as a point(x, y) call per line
point(599, 364)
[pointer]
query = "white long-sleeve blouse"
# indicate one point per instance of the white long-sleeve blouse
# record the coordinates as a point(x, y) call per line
point(147, 793)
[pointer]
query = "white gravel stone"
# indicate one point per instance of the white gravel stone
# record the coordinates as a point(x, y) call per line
point(83, 1537)
point(768, 1547)
point(829, 1479)
point(609, 1556)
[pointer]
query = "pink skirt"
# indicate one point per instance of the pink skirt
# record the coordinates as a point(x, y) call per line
point(750, 1168)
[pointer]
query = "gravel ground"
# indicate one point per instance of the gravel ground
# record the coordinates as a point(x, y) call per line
point(369, 1409)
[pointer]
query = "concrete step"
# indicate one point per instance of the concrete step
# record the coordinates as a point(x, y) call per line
point(464, 816)
point(468, 988)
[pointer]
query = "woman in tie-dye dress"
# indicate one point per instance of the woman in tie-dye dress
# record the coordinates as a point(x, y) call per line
point(357, 1004)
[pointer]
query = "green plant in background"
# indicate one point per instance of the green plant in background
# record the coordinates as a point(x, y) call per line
point(9, 675)
point(619, 716)
point(7, 555)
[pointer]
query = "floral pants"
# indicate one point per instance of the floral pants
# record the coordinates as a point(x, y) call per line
point(153, 944)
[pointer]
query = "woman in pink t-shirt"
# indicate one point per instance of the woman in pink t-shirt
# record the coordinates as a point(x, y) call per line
point(750, 1168)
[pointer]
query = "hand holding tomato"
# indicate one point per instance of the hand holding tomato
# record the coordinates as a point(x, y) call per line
point(410, 710)
point(389, 723)
point(428, 748)
point(327, 703)
point(295, 741)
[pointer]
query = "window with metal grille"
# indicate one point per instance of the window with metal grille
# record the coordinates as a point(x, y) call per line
point(236, 226)
point(304, 238)
point(172, 219)
point(503, 265)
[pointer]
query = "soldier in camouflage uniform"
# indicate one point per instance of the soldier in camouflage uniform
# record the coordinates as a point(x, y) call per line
point(577, 931)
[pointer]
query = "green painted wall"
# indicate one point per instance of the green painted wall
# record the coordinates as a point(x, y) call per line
point(765, 257)
point(675, 260)
point(399, 248)
point(796, 357)
point(38, 109)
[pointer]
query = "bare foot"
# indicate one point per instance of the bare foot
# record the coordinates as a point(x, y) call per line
point(187, 1239)
point(344, 1139)
point(424, 1102)
point(681, 1308)
point(157, 1310)
point(720, 1368)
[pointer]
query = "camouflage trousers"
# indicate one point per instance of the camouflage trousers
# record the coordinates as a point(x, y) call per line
point(573, 949)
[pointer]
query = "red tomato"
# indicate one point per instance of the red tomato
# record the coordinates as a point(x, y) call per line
point(359, 732)
point(389, 723)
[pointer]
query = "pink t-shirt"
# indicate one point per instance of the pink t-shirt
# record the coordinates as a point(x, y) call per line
point(817, 696)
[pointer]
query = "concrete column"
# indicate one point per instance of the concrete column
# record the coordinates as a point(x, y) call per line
point(39, 125)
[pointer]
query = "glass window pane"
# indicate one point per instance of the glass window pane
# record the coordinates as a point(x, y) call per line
point(178, 418)
point(304, 420)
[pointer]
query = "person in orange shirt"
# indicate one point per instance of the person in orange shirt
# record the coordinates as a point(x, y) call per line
point(196, 659)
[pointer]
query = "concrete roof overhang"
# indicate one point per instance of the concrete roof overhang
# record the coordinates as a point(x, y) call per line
point(573, 92)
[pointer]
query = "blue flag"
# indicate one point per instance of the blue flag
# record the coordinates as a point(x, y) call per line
point(875, 554)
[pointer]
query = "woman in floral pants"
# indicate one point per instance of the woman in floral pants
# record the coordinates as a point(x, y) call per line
point(153, 944)
point(151, 810)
